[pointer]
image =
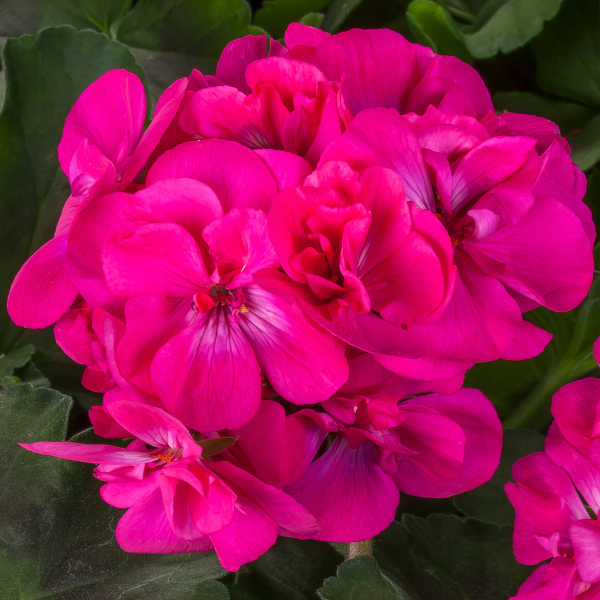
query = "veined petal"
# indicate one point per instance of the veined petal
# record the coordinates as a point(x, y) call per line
point(100, 454)
point(207, 375)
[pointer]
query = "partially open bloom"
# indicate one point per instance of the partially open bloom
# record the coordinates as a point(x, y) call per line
point(180, 496)
point(551, 519)
point(379, 443)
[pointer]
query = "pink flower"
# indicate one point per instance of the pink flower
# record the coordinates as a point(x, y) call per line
point(178, 502)
point(551, 520)
point(202, 321)
point(102, 148)
point(433, 445)
point(512, 216)
point(360, 251)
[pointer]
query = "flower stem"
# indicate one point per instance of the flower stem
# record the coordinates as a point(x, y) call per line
point(358, 549)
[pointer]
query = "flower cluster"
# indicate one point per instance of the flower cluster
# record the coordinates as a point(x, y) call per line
point(557, 500)
point(342, 222)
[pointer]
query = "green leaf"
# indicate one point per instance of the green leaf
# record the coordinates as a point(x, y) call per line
point(194, 27)
point(14, 360)
point(586, 146)
point(99, 13)
point(57, 536)
point(433, 26)
point(275, 15)
point(489, 502)
point(313, 19)
point(44, 77)
point(338, 12)
point(494, 26)
point(361, 579)
point(291, 569)
point(446, 557)
point(568, 53)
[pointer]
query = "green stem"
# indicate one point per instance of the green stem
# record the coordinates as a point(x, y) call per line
point(358, 549)
point(565, 371)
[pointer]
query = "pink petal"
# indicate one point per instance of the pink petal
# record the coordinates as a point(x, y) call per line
point(240, 246)
point(558, 179)
point(155, 427)
point(352, 498)
point(126, 494)
point(381, 137)
point(166, 109)
point(380, 67)
point(207, 375)
point(235, 58)
point(196, 502)
point(152, 320)
point(479, 322)
point(288, 170)
point(292, 518)
point(547, 581)
point(145, 529)
point(546, 256)
point(545, 501)
point(74, 333)
point(475, 415)
point(304, 364)
point(288, 77)
point(575, 409)
point(543, 130)
point(42, 291)
point(251, 534)
point(488, 164)
point(110, 112)
point(105, 425)
point(297, 34)
point(224, 112)
point(426, 368)
point(585, 535)
point(529, 341)
point(100, 454)
point(95, 224)
point(239, 178)
point(160, 258)
point(583, 472)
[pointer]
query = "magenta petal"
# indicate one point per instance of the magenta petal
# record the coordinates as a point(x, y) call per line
point(298, 34)
point(160, 258)
point(126, 494)
point(479, 322)
point(235, 58)
point(42, 291)
point(251, 534)
point(207, 375)
point(488, 164)
point(155, 427)
point(105, 425)
point(240, 245)
point(381, 137)
point(239, 177)
point(144, 528)
point(166, 109)
point(472, 412)
point(89, 453)
point(545, 502)
point(583, 472)
point(94, 225)
point(304, 364)
point(529, 341)
point(196, 501)
point(288, 170)
point(110, 113)
point(380, 67)
point(293, 518)
point(426, 368)
point(575, 409)
point(585, 535)
point(152, 320)
point(352, 498)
